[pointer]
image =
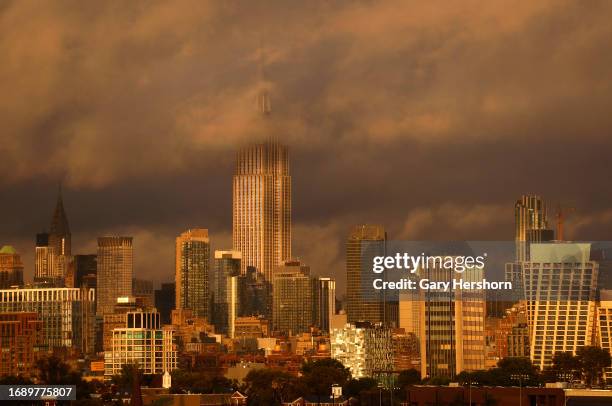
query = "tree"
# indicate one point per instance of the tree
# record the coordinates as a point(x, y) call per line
point(408, 377)
point(319, 376)
point(199, 382)
point(513, 370)
point(355, 386)
point(592, 360)
point(565, 365)
point(53, 371)
point(438, 380)
point(271, 387)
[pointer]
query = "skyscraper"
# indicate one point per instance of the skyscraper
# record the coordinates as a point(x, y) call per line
point(224, 291)
point(11, 268)
point(54, 249)
point(325, 302)
point(165, 299)
point(114, 273)
point(59, 234)
point(560, 284)
point(192, 266)
point(363, 302)
point(45, 258)
point(292, 298)
point(450, 324)
point(85, 269)
point(262, 207)
point(531, 224)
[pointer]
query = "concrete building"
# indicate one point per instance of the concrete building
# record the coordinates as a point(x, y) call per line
point(365, 349)
point(325, 302)
point(67, 314)
point(363, 302)
point(85, 269)
point(450, 325)
point(11, 268)
point(165, 299)
point(292, 298)
point(604, 332)
point(192, 271)
point(114, 271)
point(141, 340)
point(560, 284)
point(142, 290)
point(20, 342)
point(531, 224)
point(224, 291)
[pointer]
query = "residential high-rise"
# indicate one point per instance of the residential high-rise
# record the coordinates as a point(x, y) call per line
point(292, 298)
point(262, 207)
point(114, 271)
point(224, 291)
point(142, 290)
point(20, 342)
point(67, 315)
point(11, 268)
point(531, 224)
point(325, 302)
point(85, 268)
point(192, 268)
point(364, 348)
point(44, 267)
point(165, 299)
point(560, 287)
point(363, 302)
point(449, 324)
point(604, 329)
point(142, 341)
point(255, 297)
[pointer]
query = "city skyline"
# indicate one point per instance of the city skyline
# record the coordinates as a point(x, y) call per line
point(362, 119)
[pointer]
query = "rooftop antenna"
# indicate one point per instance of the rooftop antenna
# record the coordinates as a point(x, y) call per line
point(263, 99)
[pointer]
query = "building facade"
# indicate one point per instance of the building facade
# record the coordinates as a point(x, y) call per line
point(67, 315)
point(262, 207)
point(192, 271)
point(325, 302)
point(141, 341)
point(560, 285)
point(20, 342)
point(165, 299)
point(224, 291)
point(366, 349)
point(85, 268)
point(11, 268)
point(114, 271)
point(54, 249)
point(531, 224)
point(292, 298)
point(363, 302)
point(604, 332)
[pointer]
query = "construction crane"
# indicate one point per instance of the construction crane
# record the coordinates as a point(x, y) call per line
point(562, 213)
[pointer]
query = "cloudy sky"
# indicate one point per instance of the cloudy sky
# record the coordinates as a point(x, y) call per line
point(430, 118)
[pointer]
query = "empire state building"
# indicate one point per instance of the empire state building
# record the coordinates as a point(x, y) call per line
point(262, 205)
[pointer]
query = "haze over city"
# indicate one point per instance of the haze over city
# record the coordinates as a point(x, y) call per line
point(428, 120)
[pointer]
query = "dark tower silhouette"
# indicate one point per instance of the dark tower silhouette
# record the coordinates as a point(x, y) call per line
point(59, 235)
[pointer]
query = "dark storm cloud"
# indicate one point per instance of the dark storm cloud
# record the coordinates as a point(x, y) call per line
point(430, 118)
